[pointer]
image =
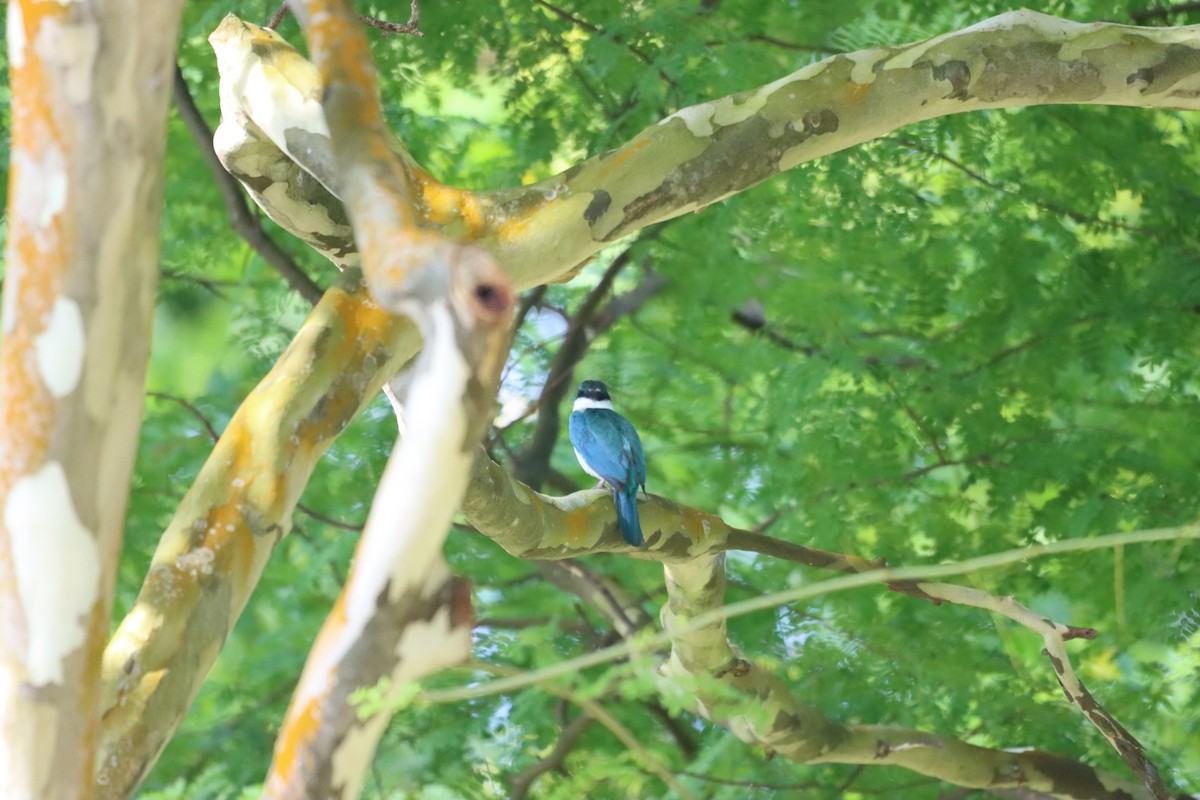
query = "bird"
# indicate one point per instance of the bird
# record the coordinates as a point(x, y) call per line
point(608, 448)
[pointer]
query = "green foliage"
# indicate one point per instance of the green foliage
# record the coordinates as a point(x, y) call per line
point(981, 333)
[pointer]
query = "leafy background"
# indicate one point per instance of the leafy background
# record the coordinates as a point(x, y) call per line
point(982, 332)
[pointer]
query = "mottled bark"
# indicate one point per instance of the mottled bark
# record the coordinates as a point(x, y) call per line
point(216, 546)
point(90, 86)
point(709, 151)
point(401, 615)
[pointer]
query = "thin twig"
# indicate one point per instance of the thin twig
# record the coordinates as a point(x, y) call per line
point(196, 413)
point(411, 27)
point(571, 733)
point(1074, 216)
point(771, 40)
point(1055, 635)
point(212, 433)
point(593, 709)
point(889, 575)
point(278, 16)
point(243, 221)
point(587, 26)
point(1162, 12)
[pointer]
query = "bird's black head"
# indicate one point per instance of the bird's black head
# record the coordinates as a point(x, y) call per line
point(593, 390)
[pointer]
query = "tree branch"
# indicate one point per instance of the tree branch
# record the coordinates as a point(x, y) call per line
point(200, 417)
point(412, 27)
point(539, 232)
point(723, 684)
point(401, 614)
point(668, 521)
point(214, 550)
point(1055, 636)
point(709, 151)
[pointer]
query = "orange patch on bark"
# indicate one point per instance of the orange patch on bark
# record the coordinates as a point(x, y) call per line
point(700, 526)
point(516, 227)
point(857, 91)
point(577, 525)
point(298, 731)
point(446, 205)
point(339, 48)
point(37, 255)
point(628, 151)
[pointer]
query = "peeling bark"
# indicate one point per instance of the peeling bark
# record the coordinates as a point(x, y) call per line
point(401, 615)
point(214, 550)
point(89, 121)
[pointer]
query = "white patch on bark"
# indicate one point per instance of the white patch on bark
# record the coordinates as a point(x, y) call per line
point(863, 71)
point(420, 517)
point(350, 758)
point(15, 24)
point(727, 111)
point(12, 778)
point(41, 191)
point(1040, 23)
point(697, 119)
point(1043, 23)
point(196, 562)
point(71, 48)
point(12, 284)
point(57, 566)
point(55, 199)
point(428, 647)
point(60, 347)
point(402, 542)
point(805, 73)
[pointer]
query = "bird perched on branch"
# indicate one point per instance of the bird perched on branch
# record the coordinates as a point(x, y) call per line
point(608, 448)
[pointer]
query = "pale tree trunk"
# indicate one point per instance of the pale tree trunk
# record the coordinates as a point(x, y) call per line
point(90, 85)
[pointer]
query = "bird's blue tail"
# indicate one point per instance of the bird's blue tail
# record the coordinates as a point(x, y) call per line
point(627, 514)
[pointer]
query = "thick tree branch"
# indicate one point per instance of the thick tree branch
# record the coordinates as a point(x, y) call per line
point(401, 615)
point(759, 709)
point(709, 151)
point(672, 543)
point(211, 555)
point(204, 421)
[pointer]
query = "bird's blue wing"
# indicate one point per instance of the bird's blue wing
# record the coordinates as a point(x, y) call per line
point(600, 437)
point(632, 445)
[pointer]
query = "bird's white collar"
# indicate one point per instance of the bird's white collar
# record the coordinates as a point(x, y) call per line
point(585, 403)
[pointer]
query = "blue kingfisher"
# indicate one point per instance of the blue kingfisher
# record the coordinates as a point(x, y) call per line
point(608, 448)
